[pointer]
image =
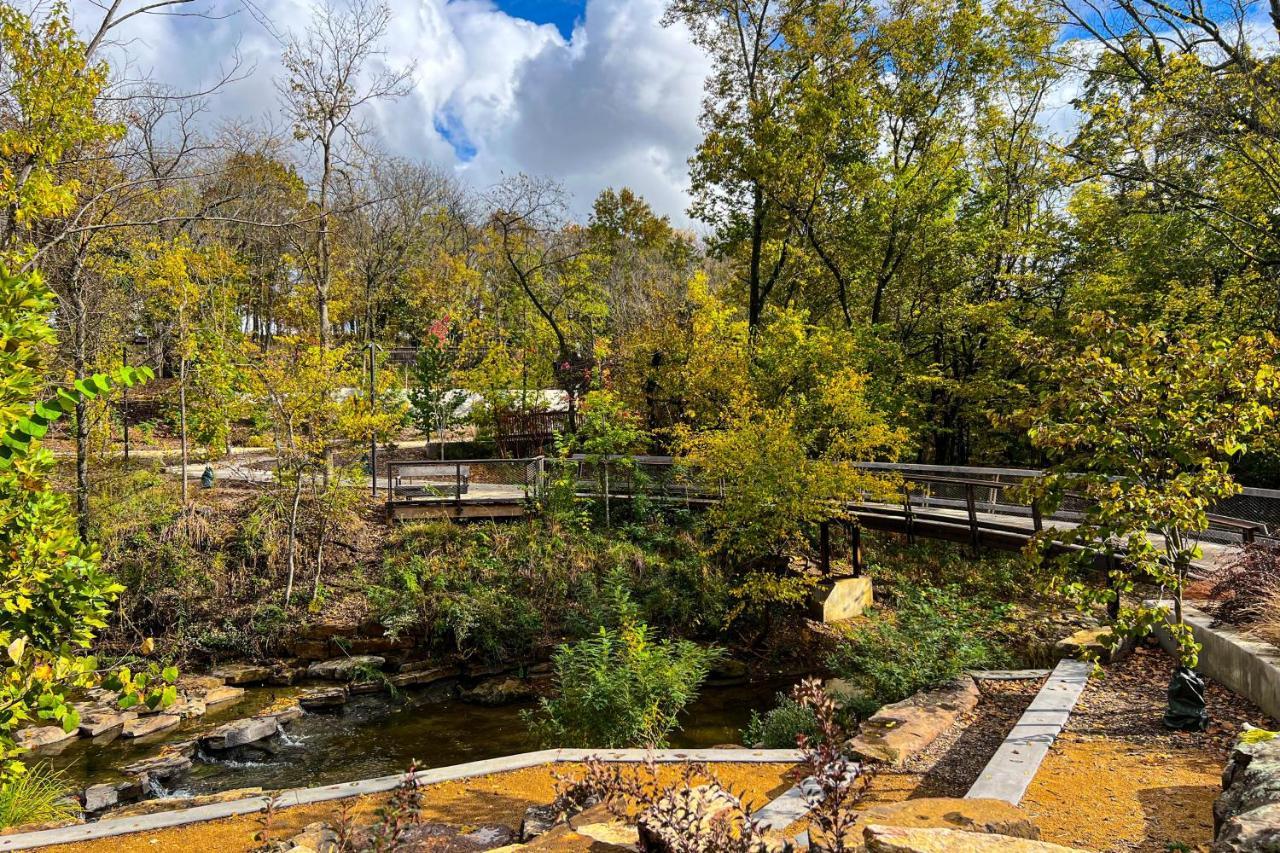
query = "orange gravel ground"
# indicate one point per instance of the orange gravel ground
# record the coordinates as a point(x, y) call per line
point(499, 798)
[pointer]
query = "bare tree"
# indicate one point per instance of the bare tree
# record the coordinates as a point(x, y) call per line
point(334, 70)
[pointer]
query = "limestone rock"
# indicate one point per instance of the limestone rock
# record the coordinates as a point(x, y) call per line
point(97, 723)
point(898, 839)
point(1251, 780)
point(898, 731)
point(1254, 831)
point(222, 696)
point(165, 767)
point(838, 600)
point(1097, 642)
point(238, 733)
point(188, 707)
point(323, 698)
point(498, 691)
point(420, 677)
point(165, 804)
point(316, 836)
point(143, 726)
point(241, 673)
point(344, 669)
point(44, 737)
point(968, 815)
point(97, 798)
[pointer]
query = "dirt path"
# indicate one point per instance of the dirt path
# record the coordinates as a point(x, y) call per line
point(1117, 780)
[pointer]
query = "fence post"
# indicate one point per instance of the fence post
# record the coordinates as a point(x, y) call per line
point(970, 502)
point(824, 547)
point(1037, 521)
point(906, 511)
point(457, 483)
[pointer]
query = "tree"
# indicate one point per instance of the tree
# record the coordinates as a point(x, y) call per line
point(434, 397)
point(52, 592)
point(607, 434)
point(1141, 425)
point(331, 80)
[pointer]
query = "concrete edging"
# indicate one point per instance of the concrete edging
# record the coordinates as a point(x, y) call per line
point(1015, 763)
point(111, 827)
point(1245, 666)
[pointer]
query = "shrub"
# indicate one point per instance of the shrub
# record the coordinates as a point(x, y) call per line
point(778, 727)
point(35, 796)
point(621, 688)
point(932, 636)
point(1246, 589)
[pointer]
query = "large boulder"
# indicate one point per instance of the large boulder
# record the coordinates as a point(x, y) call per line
point(968, 815)
point(498, 691)
point(345, 668)
point(257, 732)
point(902, 839)
point(1251, 778)
point(897, 732)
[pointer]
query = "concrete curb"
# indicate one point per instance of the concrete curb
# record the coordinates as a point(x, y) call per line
point(1015, 763)
point(304, 796)
point(1245, 666)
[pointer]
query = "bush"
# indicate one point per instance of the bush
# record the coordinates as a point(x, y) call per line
point(1246, 589)
point(778, 727)
point(621, 688)
point(932, 636)
point(36, 796)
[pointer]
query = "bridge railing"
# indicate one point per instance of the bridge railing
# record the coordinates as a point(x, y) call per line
point(979, 497)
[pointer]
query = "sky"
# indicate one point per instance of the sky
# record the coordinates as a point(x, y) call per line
point(596, 93)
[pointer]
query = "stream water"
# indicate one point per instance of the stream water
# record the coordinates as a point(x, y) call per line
point(373, 736)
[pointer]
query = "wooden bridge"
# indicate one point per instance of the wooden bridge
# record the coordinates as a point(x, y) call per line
point(971, 505)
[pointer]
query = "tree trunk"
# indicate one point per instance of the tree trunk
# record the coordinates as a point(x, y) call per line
point(182, 424)
point(293, 538)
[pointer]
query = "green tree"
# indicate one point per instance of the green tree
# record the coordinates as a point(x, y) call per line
point(1141, 425)
point(434, 398)
point(607, 434)
point(52, 592)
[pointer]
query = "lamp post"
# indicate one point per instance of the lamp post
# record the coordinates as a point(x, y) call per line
point(373, 435)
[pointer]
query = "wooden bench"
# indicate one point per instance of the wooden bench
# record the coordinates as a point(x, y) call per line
point(454, 478)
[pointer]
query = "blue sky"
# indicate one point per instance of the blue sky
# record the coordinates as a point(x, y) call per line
point(563, 13)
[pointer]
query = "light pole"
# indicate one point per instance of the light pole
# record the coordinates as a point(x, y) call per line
point(373, 435)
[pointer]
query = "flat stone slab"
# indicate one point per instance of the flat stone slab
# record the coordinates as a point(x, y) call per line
point(898, 731)
point(221, 696)
point(101, 722)
point(1015, 763)
point(143, 726)
point(241, 733)
point(965, 815)
point(323, 698)
point(236, 674)
point(344, 669)
point(42, 737)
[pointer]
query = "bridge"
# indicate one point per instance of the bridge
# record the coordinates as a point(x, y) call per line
point(966, 504)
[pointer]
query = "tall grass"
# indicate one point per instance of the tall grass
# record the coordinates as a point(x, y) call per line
point(36, 796)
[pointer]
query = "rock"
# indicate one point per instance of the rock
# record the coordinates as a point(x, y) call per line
point(898, 731)
point(96, 723)
point(165, 804)
point(1254, 831)
point(222, 696)
point(188, 707)
point(198, 684)
point(242, 673)
point(366, 688)
point(239, 733)
point(969, 815)
point(165, 767)
point(704, 804)
point(1098, 642)
point(344, 669)
point(538, 820)
point(143, 726)
point(285, 714)
point(311, 649)
point(323, 698)
point(839, 600)
point(316, 836)
point(97, 798)
point(898, 839)
point(596, 829)
point(423, 676)
point(1251, 779)
point(325, 630)
point(498, 691)
point(285, 674)
point(44, 737)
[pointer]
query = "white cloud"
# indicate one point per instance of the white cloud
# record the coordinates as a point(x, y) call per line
point(616, 104)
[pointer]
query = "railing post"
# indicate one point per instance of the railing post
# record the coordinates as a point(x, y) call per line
point(457, 483)
point(1037, 521)
point(824, 547)
point(855, 548)
point(1113, 606)
point(970, 501)
point(907, 513)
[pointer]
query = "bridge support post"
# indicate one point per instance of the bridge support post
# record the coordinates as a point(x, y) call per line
point(970, 502)
point(824, 548)
point(855, 548)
